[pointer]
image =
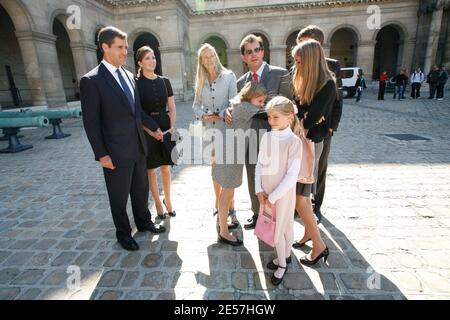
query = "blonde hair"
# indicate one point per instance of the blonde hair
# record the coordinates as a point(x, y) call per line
point(286, 107)
point(140, 55)
point(251, 90)
point(202, 73)
point(313, 73)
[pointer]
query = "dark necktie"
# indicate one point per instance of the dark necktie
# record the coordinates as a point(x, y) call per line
point(126, 90)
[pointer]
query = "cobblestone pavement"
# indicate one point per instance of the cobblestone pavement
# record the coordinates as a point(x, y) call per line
point(386, 221)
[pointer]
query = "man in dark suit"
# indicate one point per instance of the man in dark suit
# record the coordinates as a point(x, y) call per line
point(277, 82)
point(316, 33)
point(114, 124)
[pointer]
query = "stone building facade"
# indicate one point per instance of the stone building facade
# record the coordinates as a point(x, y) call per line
point(47, 45)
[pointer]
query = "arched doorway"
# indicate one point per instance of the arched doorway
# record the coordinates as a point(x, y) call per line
point(291, 42)
point(148, 39)
point(99, 52)
point(14, 88)
point(344, 47)
point(65, 60)
point(387, 55)
point(221, 48)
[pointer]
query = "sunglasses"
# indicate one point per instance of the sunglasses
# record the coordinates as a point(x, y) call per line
point(250, 51)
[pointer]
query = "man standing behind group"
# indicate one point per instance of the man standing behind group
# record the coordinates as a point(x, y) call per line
point(277, 81)
point(114, 124)
point(316, 33)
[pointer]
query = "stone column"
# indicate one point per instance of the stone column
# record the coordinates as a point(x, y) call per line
point(235, 62)
point(446, 60)
point(129, 65)
point(327, 50)
point(433, 39)
point(408, 50)
point(82, 58)
point(172, 60)
point(366, 54)
point(32, 68)
point(278, 56)
point(48, 65)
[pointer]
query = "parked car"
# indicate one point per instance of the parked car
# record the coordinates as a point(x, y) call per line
point(349, 77)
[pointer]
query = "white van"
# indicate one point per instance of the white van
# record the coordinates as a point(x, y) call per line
point(349, 77)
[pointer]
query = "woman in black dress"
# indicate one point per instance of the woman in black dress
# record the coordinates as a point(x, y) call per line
point(156, 96)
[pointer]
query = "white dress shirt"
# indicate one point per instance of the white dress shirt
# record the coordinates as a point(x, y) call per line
point(260, 71)
point(113, 70)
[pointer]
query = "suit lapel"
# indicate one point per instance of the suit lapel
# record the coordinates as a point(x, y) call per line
point(104, 72)
point(265, 75)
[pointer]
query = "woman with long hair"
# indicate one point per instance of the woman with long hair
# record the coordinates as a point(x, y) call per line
point(315, 92)
point(215, 86)
point(157, 100)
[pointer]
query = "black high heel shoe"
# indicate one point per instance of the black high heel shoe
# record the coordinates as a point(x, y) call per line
point(173, 213)
point(276, 281)
point(308, 262)
point(236, 243)
point(298, 245)
point(272, 266)
point(161, 216)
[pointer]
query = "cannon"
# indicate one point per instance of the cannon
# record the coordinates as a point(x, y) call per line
point(54, 116)
point(11, 126)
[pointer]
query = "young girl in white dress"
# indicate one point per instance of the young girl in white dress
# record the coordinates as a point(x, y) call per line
point(276, 177)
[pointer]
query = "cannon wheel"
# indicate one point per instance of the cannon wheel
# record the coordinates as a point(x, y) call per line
point(14, 144)
point(57, 132)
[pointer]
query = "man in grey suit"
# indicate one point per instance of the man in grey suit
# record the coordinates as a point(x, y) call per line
point(277, 82)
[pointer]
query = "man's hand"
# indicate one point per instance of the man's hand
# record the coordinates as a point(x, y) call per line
point(228, 115)
point(107, 163)
point(158, 134)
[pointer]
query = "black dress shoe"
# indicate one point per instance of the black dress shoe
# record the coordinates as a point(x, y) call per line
point(236, 243)
point(298, 245)
point(128, 243)
point(276, 281)
point(153, 228)
point(273, 266)
point(250, 225)
point(308, 262)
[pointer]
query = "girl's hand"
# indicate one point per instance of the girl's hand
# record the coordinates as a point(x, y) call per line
point(262, 196)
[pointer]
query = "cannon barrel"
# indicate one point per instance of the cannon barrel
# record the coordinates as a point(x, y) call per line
point(50, 114)
point(21, 122)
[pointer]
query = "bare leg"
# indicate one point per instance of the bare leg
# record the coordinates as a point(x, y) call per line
point(152, 179)
point(217, 191)
point(224, 205)
point(166, 178)
point(304, 208)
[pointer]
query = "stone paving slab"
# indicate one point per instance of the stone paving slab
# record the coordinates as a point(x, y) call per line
point(386, 221)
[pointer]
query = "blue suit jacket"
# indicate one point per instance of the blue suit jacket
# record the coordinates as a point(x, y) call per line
point(111, 126)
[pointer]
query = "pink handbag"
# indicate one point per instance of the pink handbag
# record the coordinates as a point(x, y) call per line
point(306, 175)
point(265, 225)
